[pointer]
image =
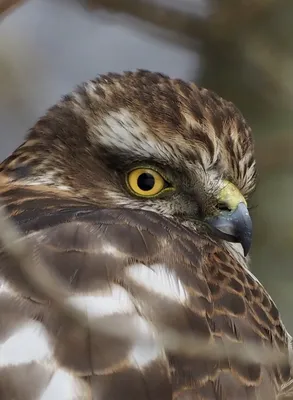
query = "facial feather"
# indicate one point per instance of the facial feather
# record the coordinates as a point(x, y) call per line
point(85, 145)
point(143, 113)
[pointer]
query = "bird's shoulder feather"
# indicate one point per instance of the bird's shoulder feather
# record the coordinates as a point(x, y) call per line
point(144, 277)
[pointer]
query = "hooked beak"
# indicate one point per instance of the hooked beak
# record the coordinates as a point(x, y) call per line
point(233, 223)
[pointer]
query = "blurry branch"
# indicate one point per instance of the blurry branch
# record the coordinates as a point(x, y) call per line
point(8, 5)
point(39, 275)
point(227, 18)
point(175, 21)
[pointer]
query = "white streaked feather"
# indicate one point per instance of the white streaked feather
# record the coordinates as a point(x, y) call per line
point(116, 301)
point(236, 251)
point(5, 288)
point(159, 279)
point(147, 348)
point(121, 129)
point(142, 355)
point(29, 343)
point(111, 250)
point(64, 386)
point(49, 178)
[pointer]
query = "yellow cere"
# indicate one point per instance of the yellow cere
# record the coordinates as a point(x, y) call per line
point(145, 182)
point(231, 196)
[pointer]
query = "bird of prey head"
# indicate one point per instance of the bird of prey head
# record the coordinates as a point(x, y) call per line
point(144, 141)
point(131, 198)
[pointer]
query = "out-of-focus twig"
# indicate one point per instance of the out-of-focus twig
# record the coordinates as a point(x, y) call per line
point(176, 21)
point(229, 17)
point(9, 5)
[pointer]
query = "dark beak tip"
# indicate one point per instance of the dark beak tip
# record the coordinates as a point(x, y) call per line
point(234, 227)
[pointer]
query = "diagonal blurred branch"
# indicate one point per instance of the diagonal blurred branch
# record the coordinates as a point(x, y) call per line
point(227, 17)
point(9, 5)
point(176, 21)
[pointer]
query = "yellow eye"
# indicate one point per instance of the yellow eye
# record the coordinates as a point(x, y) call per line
point(145, 182)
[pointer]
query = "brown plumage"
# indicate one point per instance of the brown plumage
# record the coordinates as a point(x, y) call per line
point(144, 264)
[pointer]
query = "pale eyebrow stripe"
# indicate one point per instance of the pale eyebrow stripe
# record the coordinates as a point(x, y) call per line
point(121, 130)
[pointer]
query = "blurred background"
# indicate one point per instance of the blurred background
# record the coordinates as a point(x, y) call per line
point(241, 49)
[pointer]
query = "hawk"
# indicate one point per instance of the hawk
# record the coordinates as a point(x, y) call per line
point(131, 195)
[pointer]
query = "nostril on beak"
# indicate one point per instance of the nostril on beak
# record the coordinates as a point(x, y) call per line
point(223, 207)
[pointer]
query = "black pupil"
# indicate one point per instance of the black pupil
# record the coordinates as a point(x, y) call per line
point(146, 181)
